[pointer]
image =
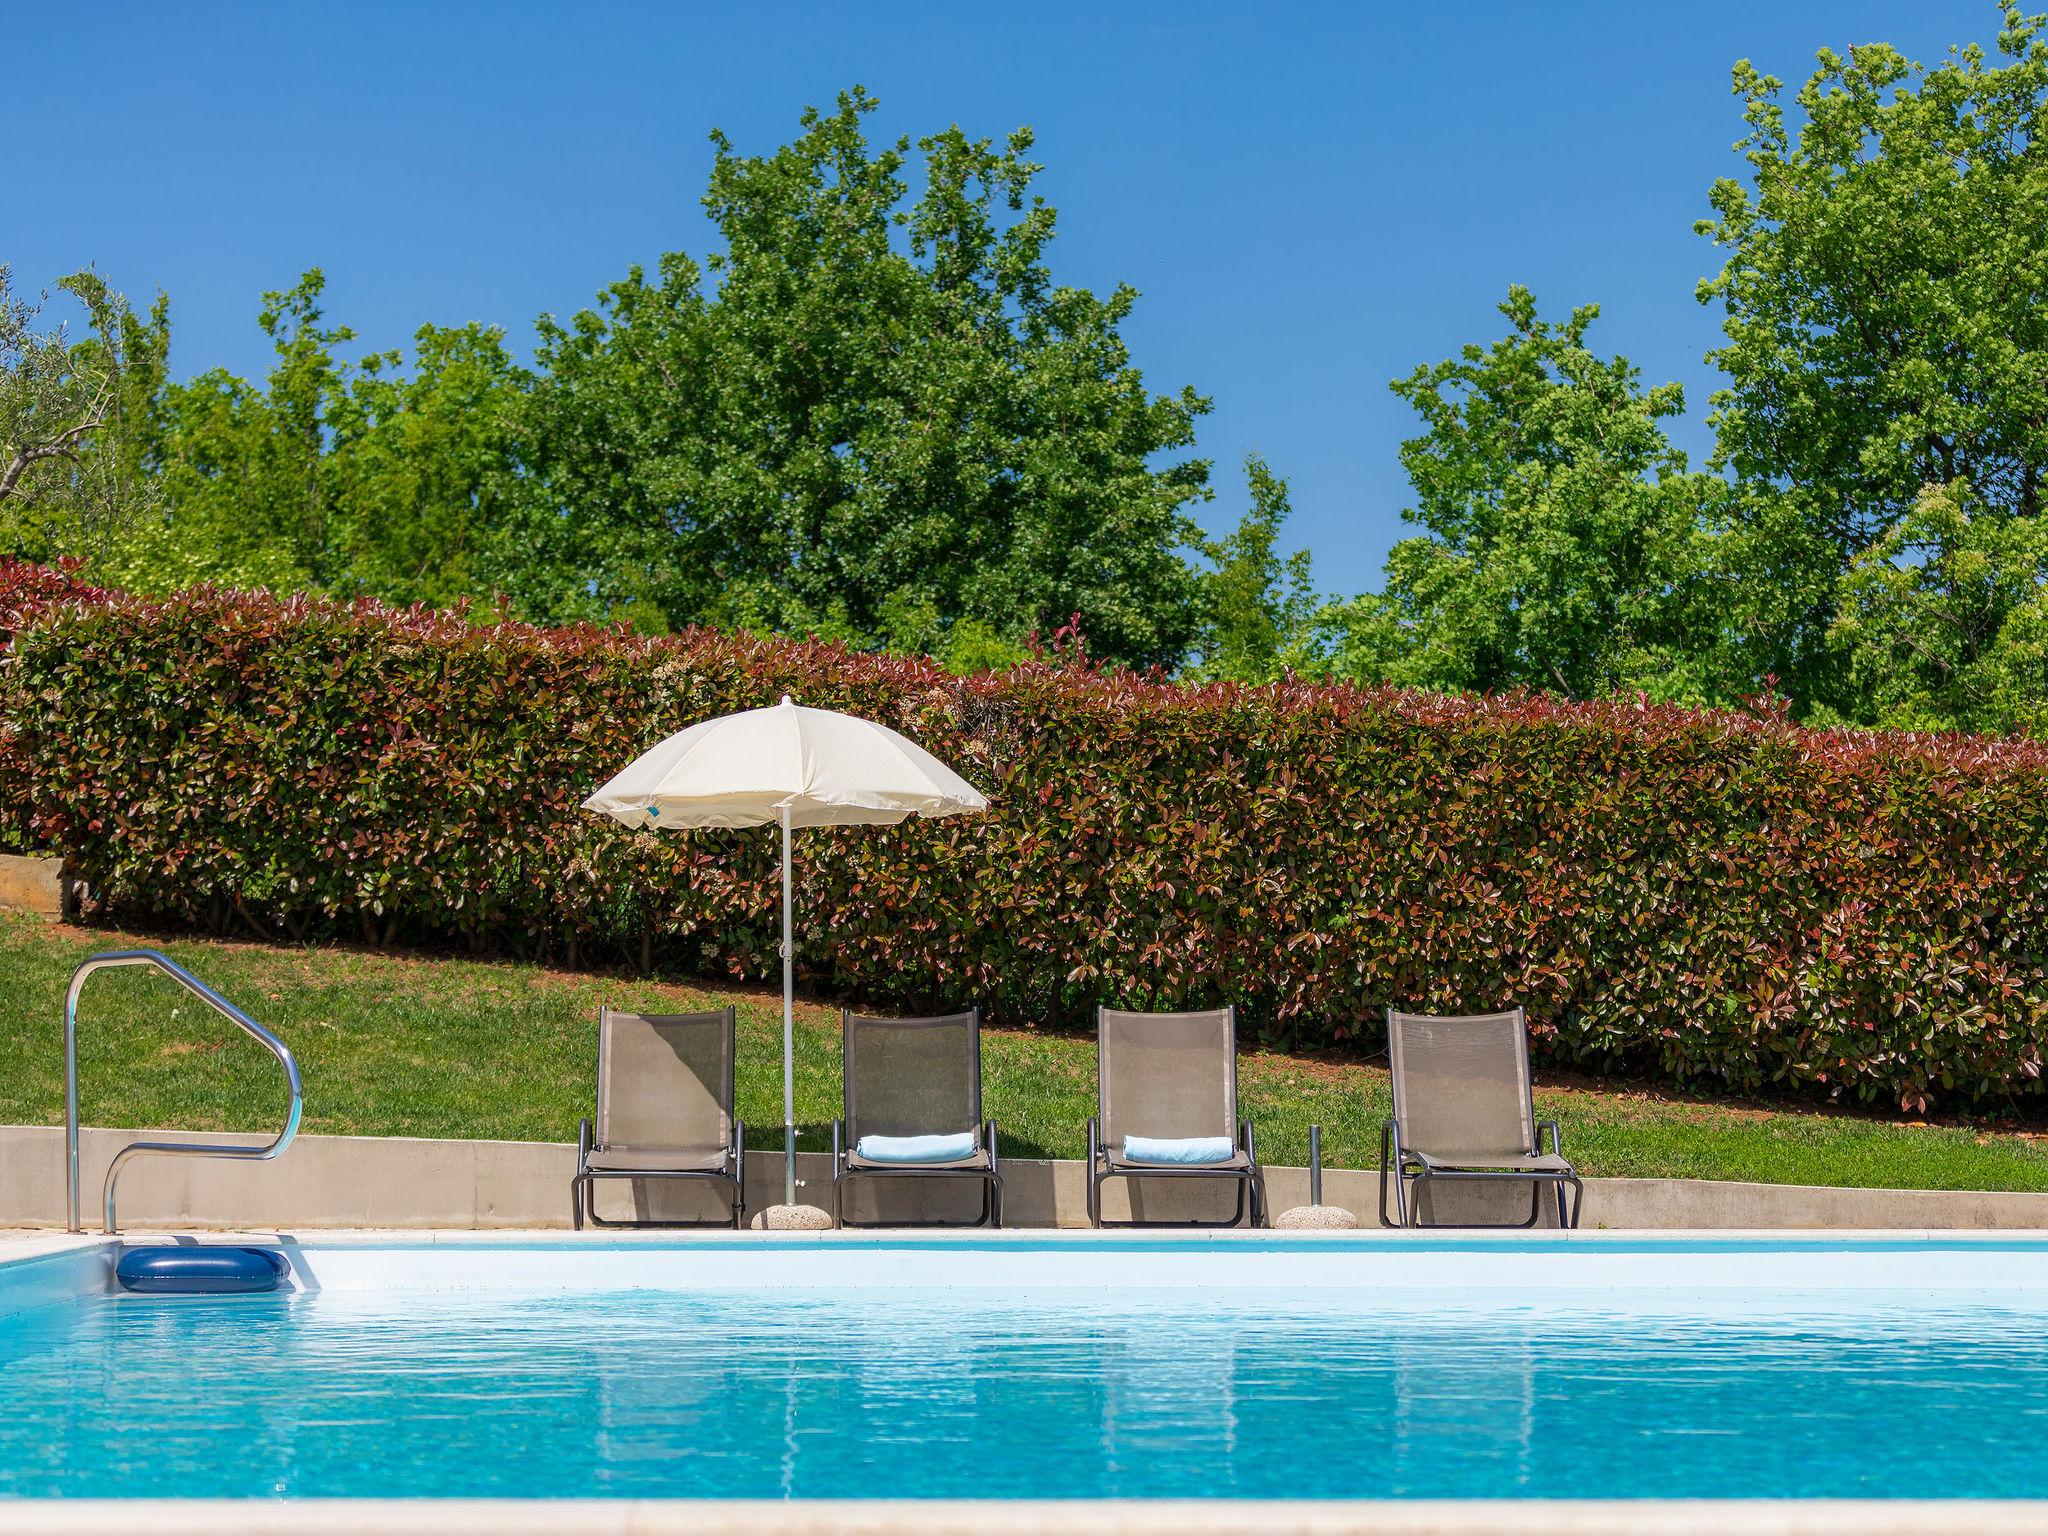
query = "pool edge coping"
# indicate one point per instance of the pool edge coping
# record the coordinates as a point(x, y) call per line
point(1134, 1517)
point(1164, 1238)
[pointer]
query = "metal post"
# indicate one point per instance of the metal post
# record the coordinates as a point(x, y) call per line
point(1315, 1165)
point(71, 1101)
point(788, 1033)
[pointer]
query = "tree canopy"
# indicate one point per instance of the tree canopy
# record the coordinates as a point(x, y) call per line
point(1885, 303)
point(72, 473)
point(1867, 539)
point(864, 413)
point(373, 477)
point(870, 410)
point(1564, 545)
point(1258, 606)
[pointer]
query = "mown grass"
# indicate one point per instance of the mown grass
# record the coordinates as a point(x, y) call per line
point(411, 1045)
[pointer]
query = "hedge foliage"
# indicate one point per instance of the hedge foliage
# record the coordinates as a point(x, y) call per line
point(1717, 899)
point(26, 591)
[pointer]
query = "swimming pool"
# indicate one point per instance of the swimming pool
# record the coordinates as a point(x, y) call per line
point(1033, 1365)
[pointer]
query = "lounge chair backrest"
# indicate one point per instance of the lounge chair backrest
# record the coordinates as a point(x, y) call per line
point(912, 1077)
point(664, 1080)
point(1166, 1074)
point(1461, 1083)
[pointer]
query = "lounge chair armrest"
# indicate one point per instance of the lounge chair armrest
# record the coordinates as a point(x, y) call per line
point(739, 1144)
point(1094, 1141)
point(988, 1135)
point(838, 1137)
point(1556, 1144)
point(582, 1143)
point(1244, 1139)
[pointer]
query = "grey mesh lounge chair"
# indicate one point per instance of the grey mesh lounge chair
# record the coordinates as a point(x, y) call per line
point(914, 1077)
point(664, 1110)
point(1462, 1112)
point(1169, 1076)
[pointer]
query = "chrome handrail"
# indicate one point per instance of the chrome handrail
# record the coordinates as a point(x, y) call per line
point(219, 1005)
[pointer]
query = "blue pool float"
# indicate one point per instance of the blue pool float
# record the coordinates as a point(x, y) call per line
point(195, 1271)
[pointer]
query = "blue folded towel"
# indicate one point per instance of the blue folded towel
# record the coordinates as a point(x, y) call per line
point(916, 1149)
point(1178, 1149)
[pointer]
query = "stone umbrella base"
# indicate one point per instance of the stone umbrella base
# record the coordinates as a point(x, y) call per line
point(792, 1218)
point(1315, 1218)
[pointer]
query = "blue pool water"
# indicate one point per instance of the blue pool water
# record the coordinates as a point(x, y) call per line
point(914, 1393)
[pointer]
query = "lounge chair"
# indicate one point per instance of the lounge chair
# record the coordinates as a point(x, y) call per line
point(664, 1110)
point(1462, 1113)
point(913, 1110)
point(1164, 1083)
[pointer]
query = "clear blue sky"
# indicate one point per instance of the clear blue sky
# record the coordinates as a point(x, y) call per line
point(1312, 198)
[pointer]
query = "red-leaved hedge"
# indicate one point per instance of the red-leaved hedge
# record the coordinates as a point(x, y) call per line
point(26, 591)
point(1711, 897)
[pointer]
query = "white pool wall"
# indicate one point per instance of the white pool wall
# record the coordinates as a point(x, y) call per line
point(1032, 1262)
point(1403, 1269)
point(39, 1272)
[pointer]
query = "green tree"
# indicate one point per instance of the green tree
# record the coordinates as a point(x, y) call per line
point(421, 467)
point(1944, 618)
point(1565, 545)
point(73, 474)
point(863, 413)
point(1258, 606)
point(242, 465)
point(368, 477)
point(1885, 302)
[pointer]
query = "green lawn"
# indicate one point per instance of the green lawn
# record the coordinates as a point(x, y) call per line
point(416, 1046)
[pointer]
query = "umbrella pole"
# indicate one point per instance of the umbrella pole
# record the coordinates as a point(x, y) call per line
point(788, 1033)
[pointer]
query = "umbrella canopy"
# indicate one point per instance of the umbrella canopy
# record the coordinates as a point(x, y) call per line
point(795, 767)
point(822, 768)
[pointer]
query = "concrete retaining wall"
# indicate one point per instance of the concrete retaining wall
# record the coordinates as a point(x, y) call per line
point(398, 1182)
point(29, 884)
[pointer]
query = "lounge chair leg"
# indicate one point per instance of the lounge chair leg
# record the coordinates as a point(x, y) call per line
point(1094, 1173)
point(1391, 1171)
point(739, 1175)
point(576, 1204)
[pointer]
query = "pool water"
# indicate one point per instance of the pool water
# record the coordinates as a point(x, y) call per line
point(927, 1393)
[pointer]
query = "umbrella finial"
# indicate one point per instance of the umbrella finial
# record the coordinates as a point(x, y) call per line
point(787, 700)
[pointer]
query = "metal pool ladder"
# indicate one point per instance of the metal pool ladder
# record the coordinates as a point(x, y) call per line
point(219, 1005)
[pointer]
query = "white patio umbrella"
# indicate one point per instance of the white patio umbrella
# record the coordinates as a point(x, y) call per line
point(800, 768)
